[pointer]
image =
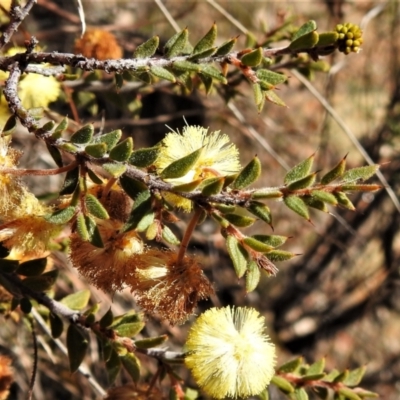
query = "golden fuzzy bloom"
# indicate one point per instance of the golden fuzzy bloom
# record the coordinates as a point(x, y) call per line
point(165, 288)
point(229, 354)
point(107, 267)
point(99, 44)
point(29, 236)
point(219, 157)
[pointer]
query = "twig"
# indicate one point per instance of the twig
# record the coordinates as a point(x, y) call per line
point(17, 15)
point(37, 172)
point(348, 132)
point(83, 368)
point(35, 359)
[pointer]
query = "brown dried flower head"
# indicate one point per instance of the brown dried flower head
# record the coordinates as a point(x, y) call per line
point(107, 267)
point(6, 376)
point(169, 289)
point(99, 44)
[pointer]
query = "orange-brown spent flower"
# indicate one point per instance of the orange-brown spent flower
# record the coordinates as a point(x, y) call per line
point(117, 203)
point(107, 267)
point(6, 376)
point(170, 290)
point(99, 44)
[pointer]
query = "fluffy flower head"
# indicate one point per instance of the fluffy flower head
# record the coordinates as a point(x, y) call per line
point(229, 354)
point(219, 157)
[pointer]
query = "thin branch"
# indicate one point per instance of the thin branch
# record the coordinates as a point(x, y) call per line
point(35, 359)
point(349, 133)
point(17, 15)
point(83, 368)
point(37, 172)
point(54, 306)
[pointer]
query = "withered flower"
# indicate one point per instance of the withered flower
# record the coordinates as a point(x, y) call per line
point(107, 267)
point(170, 289)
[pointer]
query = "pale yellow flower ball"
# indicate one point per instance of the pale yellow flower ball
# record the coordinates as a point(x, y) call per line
point(229, 354)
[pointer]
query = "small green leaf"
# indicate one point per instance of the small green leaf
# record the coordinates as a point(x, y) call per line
point(81, 227)
point(313, 377)
point(237, 254)
point(303, 183)
point(186, 66)
point(96, 150)
point(307, 41)
point(94, 177)
point(261, 211)
point(324, 196)
point(342, 376)
point(257, 245)
point(279, 255)
point(212, 186)
point(32, 267)
point(271, 240)
point(308, 27)
point(317, 368)
point(113, 366)
point(349, 394)
point(241, 221)
point(132, 365)
point(212, 72)
point(291, 366)
point(207, 82)
point(300, 394)
point(297, 205)
point(70, 182)
point(83, 135)
point(226, 47)
point(162, 73)
point(93, 231)
point(77, 345)
point(169, 236)
point(361, 173)
point(141, 208)
point(282, 384)
point(95, 208)
point(344, 201)
point(335, 172)
point(129, 329)
point(25, 305)
point(143, 158)
point(207, 41)
point(107, 319)
point(248, 175)
point(315, 203)
point(252, 276)
point(267, 193)
point(176, 44)
point(258, 94)
point(151, 342)
point(110, 139)
point(272, 97)
point(254, 58)
point(77, 301)
point(188, 187)
point(331, 376)
point(63, 125)
point(43, 282)
point(131, 186)
point(327, 39)
point(299, 171)
point(61, 217)
point(355, 376)
point(56, 325)
point(203, 54)
point(10, 126)
point(181, 167)
point(122, 151)
point(55, 154)
point(147, 49)
point(271, 77)
point(8, 266)
point(114, 169)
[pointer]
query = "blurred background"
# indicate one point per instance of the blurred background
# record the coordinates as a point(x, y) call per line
point(340, 298)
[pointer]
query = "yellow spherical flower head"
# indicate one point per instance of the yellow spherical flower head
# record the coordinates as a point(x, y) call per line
point(229, 354)
point(219, 157)
point(107, 267)
point(169, 288)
